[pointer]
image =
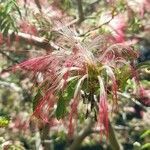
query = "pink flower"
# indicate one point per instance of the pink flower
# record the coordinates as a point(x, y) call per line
point(60, 68)
point(44, 106)
point(103, 108)
point(118, 26)
point(72, 114)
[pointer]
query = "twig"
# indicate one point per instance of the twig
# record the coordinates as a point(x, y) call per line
point(80, 11)
point(62, 25)
point(44, 134)
point(127, 96)
point(34, 40)
point(115, 145)
point(113, 139)
point(37, 2)
point(98, 130)
point(96, 28)
point(81, 136)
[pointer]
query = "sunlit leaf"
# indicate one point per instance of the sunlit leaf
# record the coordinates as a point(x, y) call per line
point(4, 121)
point(145, 134)
point(146, 146)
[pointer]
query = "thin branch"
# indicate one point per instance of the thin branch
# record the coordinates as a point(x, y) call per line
point(33, 40)
point(80, 11)
point(98, 27)
point(44, 134)
point(68, 24)
point(37, 2)
point(127, 96)
point(82, 135)
point(115, 145)
point(98, 130)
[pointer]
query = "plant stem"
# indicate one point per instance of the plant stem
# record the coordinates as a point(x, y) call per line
point(114, 144)
point(45, 136)
point(81, 136)
point(113, 139)
point(80, 11)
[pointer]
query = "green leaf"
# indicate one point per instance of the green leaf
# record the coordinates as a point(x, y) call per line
point(146, 146)
point(64, 99)
point(69, 91)
point(9, 7)
point(61, 107)
point(7, 20)
point(145, 64)
point(18, 10)
point(36, 98)
point(3, 23)
point(145, 134)
point(122, 75)
point(6, 29)
point(4, 121)
point(66, 4)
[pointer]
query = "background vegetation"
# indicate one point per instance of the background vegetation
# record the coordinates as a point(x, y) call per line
point(31, 28)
